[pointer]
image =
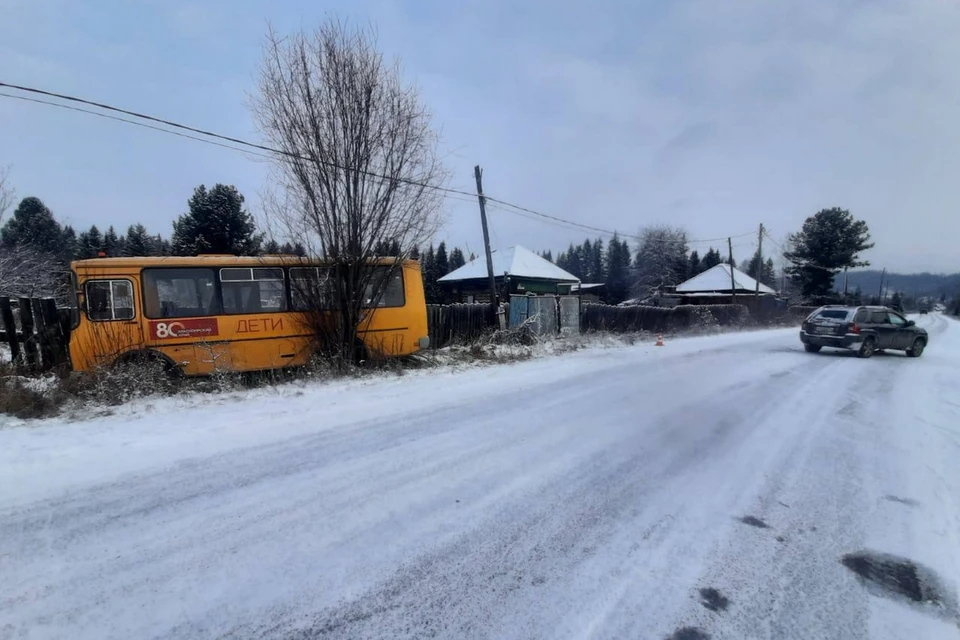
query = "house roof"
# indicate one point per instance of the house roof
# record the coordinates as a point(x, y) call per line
point(515, 261)
point(717, 279)
point(587, 286)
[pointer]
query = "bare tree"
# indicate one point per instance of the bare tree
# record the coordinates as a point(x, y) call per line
point(26, 272)
point(357, 158)
point(661, 259)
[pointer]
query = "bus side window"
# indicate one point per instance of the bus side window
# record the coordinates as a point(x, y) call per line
point(255, 290)
point(109, 300)
point(180, 293)
point(311, 288)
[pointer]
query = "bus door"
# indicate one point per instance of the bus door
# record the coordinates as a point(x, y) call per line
point(112, 319)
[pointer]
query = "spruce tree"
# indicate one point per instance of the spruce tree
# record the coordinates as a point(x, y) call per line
point(456, 259)
point(69, 243)
point(215, 222)
point(111, 243)
point(89, 243)
point(440, 260)
point(595, 267)
point(693, 268)
point(710, 259)
point(428, 267)
point(618, 271)
point(830, 241)
point(138, 241)
point(33, 225)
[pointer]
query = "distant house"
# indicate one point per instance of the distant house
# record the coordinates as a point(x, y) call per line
point(516, 270)
point(714, 286)
point(717, 280)
point(588, 292)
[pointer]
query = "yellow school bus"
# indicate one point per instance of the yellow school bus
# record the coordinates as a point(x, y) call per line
point(213, 313)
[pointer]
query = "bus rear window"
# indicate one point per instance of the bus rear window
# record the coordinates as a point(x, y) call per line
point(389, 293)
point(180, 293)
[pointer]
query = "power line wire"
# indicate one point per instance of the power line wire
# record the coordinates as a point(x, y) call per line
point(170, 123)
point(512, 208)
point(218, 136)
point(799, 263)
point(133, 122)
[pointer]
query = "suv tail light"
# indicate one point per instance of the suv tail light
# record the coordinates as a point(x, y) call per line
point(854, 328)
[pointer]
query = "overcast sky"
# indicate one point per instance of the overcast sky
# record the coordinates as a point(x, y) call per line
point(715, 115)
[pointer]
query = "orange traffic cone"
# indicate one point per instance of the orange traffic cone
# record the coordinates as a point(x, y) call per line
point(659, 340)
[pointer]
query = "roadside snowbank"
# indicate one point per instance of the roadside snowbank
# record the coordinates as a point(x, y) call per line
point(157, 432)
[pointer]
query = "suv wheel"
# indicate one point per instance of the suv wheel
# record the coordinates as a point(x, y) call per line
point(867, 348)
point(917, 348)
point(811, 348)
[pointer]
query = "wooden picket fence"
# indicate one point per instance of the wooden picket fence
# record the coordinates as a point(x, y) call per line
point(458, 323)
point(36, 332)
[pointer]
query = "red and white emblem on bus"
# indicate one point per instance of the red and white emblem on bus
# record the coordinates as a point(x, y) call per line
point(186, 328)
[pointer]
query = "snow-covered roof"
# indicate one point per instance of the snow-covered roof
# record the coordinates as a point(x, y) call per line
point(514, 261)
point(586, 286)
point(717, 279)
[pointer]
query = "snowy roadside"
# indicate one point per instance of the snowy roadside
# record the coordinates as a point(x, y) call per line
point(156, 432)
point(729, 486)
point(118, 395)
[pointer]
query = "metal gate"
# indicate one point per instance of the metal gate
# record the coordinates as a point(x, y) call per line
point(546, 315)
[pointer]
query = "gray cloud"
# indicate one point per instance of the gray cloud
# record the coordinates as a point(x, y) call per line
point(716, 116)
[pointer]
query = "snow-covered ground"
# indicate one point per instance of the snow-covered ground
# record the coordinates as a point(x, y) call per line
point(711, 488)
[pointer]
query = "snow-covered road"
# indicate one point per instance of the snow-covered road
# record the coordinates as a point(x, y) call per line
point(712, 488)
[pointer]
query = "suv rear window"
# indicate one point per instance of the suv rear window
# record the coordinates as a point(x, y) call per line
point(833, 314)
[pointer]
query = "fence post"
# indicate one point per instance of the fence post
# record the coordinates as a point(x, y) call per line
point(10, 327)
point(30, 351)
point(43, 336)
point(54, 337)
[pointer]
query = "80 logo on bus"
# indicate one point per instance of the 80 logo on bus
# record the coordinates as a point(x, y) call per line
point(187, 328)
point(168, 329)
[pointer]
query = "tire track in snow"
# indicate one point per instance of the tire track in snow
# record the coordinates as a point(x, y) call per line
point(525, 557)
point(597, 504)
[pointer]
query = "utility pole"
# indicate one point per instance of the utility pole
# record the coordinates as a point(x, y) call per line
point(478, 174)
point(880, 292)
point(759, 261)
point(733, 282)
point(845, 285)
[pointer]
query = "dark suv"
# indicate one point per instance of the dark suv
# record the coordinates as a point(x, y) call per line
point(863, 329)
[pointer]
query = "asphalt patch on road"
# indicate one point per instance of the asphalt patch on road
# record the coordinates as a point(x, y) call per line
point(689, 633)
point(901, 579)
point(714, 600)
point(754, 522)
